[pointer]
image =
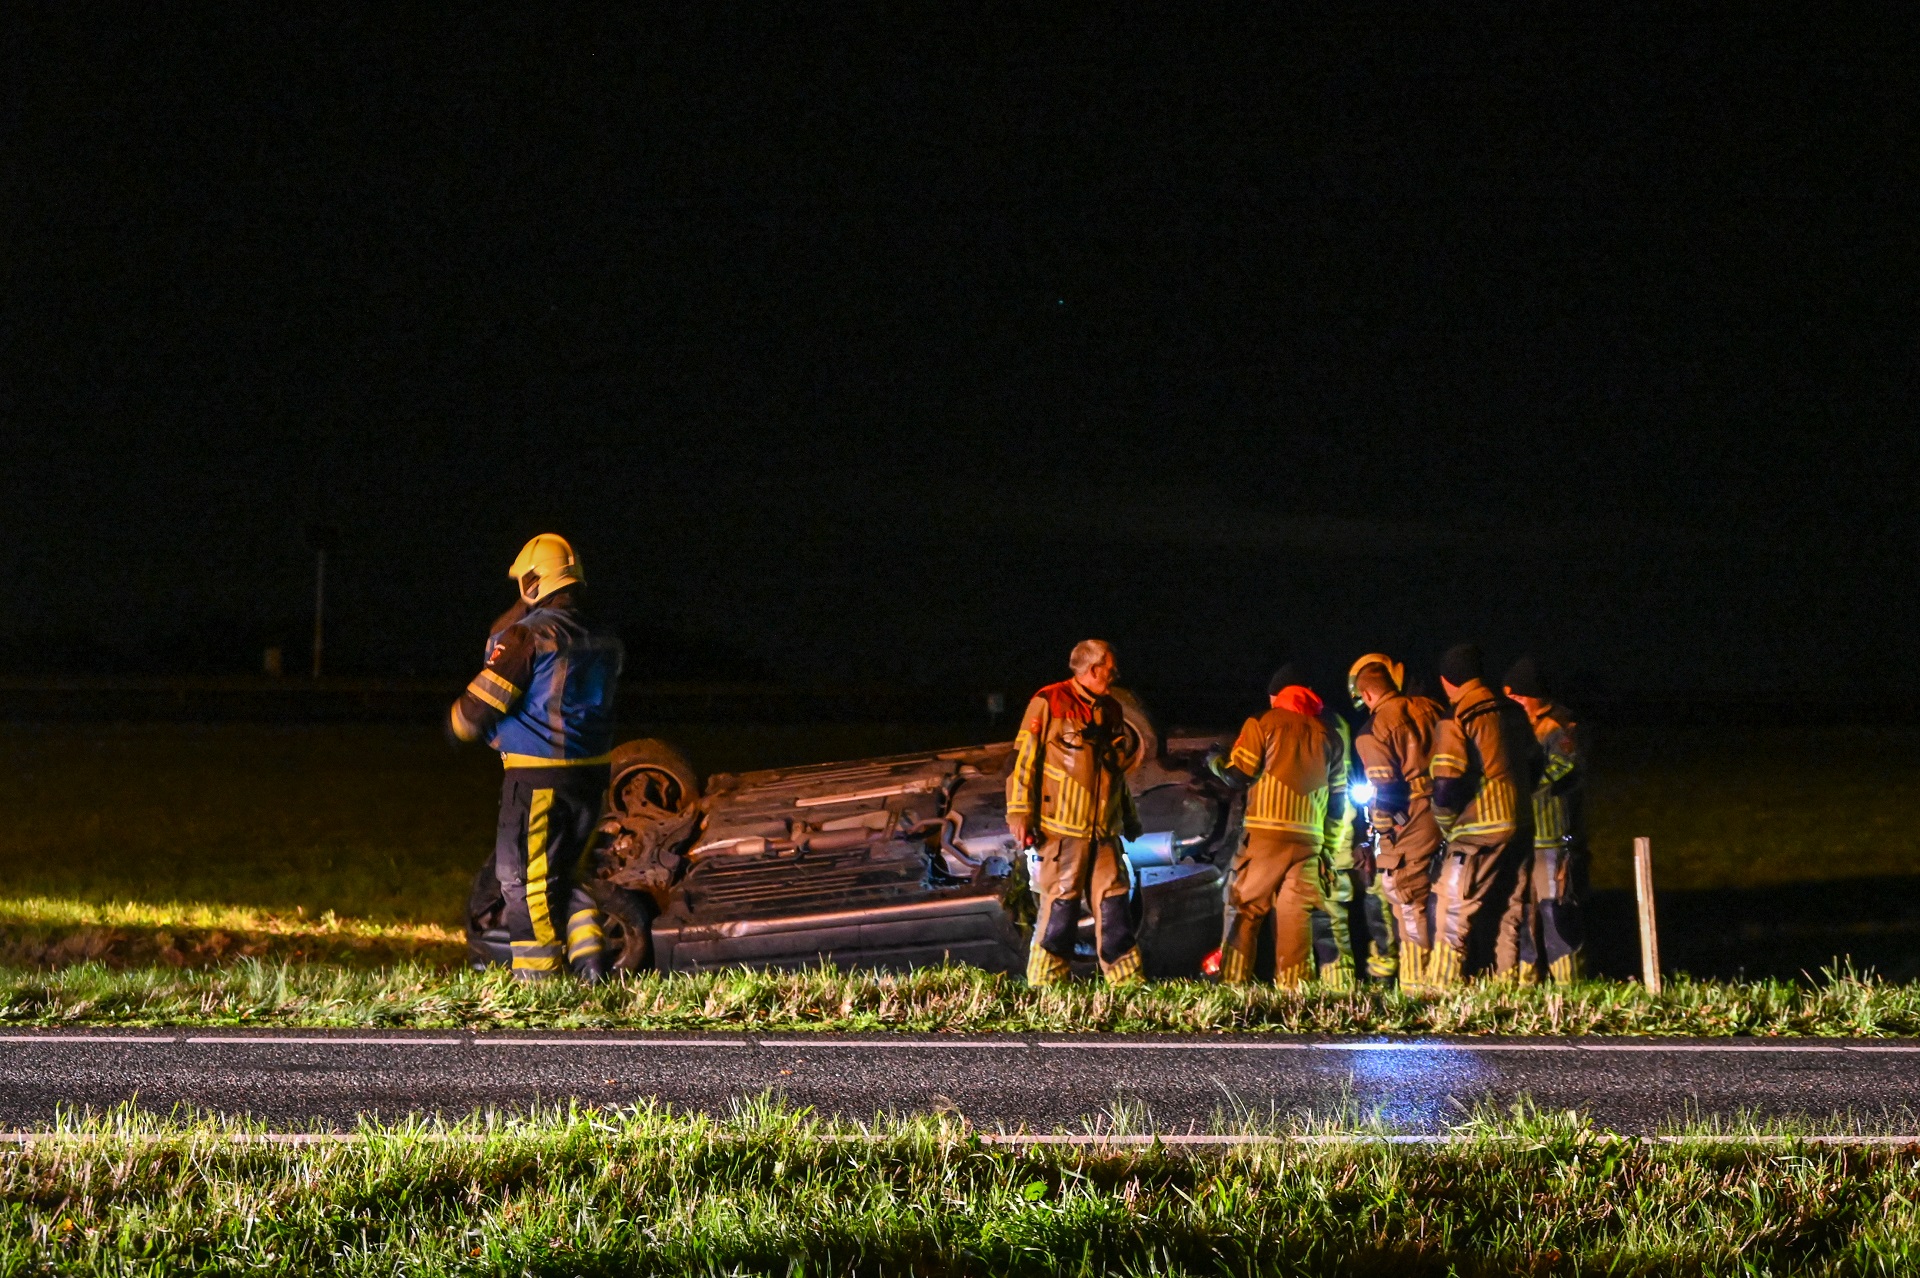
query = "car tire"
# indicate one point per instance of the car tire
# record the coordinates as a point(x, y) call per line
point(664, 777)
point(1144, 741)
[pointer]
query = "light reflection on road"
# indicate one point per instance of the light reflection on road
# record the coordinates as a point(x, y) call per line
point(1411, 1085)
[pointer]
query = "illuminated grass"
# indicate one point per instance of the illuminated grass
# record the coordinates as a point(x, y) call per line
point(43, 932)
point(769, 1191)
point(933, 1000)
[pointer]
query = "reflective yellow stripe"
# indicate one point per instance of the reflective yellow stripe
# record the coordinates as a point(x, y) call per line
point(479, 688)
point(1272, 804)
point(1448, 761)
point(537, 809)
point(532, 956)
point(537, 761)
point(1020, 782)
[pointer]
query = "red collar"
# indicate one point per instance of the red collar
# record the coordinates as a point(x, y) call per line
point(1300, 700)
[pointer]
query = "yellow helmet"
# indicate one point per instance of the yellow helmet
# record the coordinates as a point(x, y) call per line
point(1396, 671)
point(545, 565)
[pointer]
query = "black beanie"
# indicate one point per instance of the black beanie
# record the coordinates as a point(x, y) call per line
point(1524, 679)
point(1461, 664)
point(1286, 676)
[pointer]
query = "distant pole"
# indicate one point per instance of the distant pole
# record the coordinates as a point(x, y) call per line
point(320, 537)
point(1649, 931)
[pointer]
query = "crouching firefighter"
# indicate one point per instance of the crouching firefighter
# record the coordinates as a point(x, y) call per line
point(1289, 758)
point(545, 702)
point(1068, 792)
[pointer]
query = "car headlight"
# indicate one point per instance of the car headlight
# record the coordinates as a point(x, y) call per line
point(1362, 793)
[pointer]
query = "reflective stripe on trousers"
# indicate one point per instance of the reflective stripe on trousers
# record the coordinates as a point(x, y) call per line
point(547, 820)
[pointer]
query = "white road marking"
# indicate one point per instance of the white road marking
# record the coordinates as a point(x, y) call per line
point(1755, 1049)
point(887, 1043)
point(1437, 1046)
point(1180, 1047)
point(1856, 1048)
point(88, 1038)
point(1016, 1139)
point(611, 1042)
point(317, 1041)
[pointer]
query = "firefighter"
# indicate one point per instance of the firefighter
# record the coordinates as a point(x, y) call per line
point(1349, 878)
point(1395, 747)
point(1068, 793)
point(1290, 759)
point(545, 701)
point(1556, 928)
point(1483, 766)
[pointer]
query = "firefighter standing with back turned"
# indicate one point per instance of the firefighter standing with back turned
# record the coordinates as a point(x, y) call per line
point(1288, 758)
point(1483, 772)
point(545, 702)
point(1068, 791)
point(1556, 933)
point(1396, 748)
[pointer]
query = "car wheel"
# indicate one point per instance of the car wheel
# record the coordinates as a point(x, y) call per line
point(1142, 740)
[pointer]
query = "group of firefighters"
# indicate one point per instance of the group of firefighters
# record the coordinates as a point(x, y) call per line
point(1472, 856)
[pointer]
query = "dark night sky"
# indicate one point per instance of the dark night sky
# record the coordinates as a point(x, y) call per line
point(923, 345)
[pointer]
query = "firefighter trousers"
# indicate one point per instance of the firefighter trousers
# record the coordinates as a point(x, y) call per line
point(1333, 928)
point(547, 820)
point(1406, 888)
point(1069, 870)
point(1556, 934)
point(1278, 875)
point(1480, 907)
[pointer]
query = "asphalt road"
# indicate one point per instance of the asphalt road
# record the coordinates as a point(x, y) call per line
point(306, 1079)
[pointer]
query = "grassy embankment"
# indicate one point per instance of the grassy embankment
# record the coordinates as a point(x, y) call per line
point(932, 1000)
point(768, 1191)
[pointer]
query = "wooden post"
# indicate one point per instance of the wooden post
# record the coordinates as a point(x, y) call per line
point(1649, 931)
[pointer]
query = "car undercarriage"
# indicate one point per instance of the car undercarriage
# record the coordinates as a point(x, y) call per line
point(893, 863)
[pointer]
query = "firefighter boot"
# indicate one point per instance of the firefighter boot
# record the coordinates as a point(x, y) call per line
point(1444, 967)
point(1237, 949)
point(1413, 967)
point(1044, 968)
point(587, 946)
point(1054, 932)
point(1293, 977)
point(1119, 954)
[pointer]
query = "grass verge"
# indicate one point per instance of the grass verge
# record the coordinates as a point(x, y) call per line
point(952, 999)
point(55, 932)
point(775, 1191)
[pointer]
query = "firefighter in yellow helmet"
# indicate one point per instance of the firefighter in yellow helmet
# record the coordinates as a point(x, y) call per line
point(544, 700)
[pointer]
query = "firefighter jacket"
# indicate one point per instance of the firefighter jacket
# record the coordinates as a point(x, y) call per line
point(1484, 760)
point(1559, 799)
point(1396, 749)
point(1297, 764)
point(545, 697)
point(1069, 763)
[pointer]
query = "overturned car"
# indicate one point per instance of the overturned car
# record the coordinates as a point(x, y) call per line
point(893, 862)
